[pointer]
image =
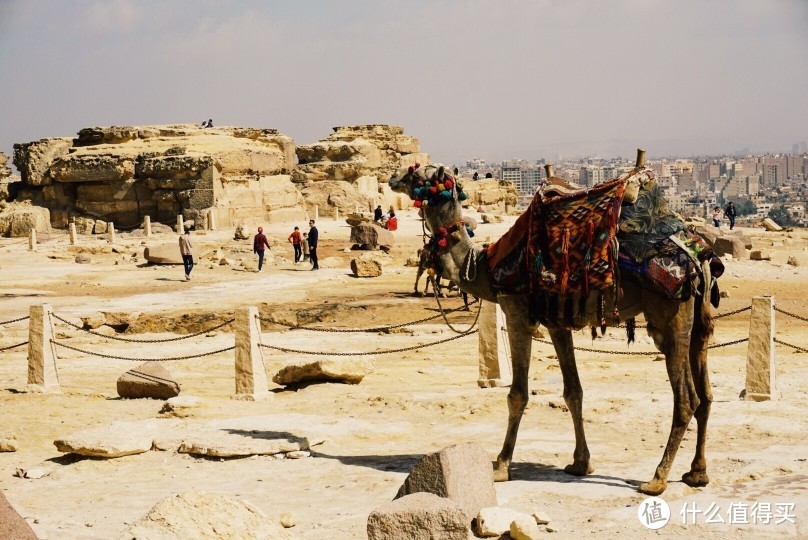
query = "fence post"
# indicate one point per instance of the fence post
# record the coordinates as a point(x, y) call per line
point(494, 351)
point(336, 214)
point(73, 238)
point(211, 220)
point(180, 225)
point(760, 372)
point(42, 375)
point(32, 240)
point(111, 232)
point(147, 226)
point(251, 377)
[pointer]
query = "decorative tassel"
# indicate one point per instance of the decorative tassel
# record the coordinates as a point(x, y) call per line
point(631, 325)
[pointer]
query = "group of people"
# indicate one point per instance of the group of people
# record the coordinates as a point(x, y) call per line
point(389, 221)
point(304, 245)
point(729, 212)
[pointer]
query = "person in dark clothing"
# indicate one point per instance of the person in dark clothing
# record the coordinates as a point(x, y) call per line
point(476, 176)
point(259, 243)
point(312, 239)
point(378, 213)
point(730, 212)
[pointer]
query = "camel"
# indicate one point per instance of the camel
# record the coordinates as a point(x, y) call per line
point(423, 265)
point(680, 330)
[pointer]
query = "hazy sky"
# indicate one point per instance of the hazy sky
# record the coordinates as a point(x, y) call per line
point(494, 79)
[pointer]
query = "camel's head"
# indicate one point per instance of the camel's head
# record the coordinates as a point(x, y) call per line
point(428, 186)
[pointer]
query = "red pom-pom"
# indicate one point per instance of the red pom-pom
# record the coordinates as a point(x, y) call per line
point(442, 232)
point(448, 184)
point(433, 190)
point(416, 204)
point(443, 243)
point(417, 165)
point(411, 169)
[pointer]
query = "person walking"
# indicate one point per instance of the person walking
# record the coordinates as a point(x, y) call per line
point(717, 217)
point(186, 250)
point(730, 212)
point(259, 243)
point(312, 240)
point(296, 241)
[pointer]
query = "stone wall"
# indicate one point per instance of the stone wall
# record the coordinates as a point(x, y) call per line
point(123, 174)
point(492, 195)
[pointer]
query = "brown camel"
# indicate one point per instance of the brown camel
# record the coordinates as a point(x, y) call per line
point(680, 330)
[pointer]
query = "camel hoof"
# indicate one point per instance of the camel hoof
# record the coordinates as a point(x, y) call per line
point(696, 478)
point(502, 473)
point(579, 468)
point(654, 487)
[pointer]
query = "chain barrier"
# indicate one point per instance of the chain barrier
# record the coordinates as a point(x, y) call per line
point(730, 313)
point(357, 330)
point(118, 338)
point(800, 349)
point(114, 357)
point(3, 323)
point(390, 351)
point(803, 319)
point(2, 349)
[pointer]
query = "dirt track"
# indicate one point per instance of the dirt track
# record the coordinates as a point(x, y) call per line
point(414, 403)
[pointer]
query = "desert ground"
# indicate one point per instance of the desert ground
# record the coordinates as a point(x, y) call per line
point(413, 403)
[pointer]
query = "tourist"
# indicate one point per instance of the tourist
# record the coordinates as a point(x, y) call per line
point(392, 221)
point(717, 217)
point(476, 176)
point(209, 124)
point(730, 212)
point(186, 250)
point(259, 243)
point(312, 241)
point(378, 213)
point(296, 240)
point(305, 245)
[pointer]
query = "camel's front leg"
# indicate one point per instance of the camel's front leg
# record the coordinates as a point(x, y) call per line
point(574, 397)
point(519, 337)
point(697, 476)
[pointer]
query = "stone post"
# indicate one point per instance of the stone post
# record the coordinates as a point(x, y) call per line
point(316, 212)
point(32, 240)
point(73, 237)
point(180, 224)
point(336, 214)
point(251, 377)
point(111, 232)
point(212, 220)
point(147, 226)
point(42, 375)
point(760, 372)
point(495, 354)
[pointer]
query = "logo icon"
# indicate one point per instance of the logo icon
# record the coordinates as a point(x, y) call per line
point(654, 513)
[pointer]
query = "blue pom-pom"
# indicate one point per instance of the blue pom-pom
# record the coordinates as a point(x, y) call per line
point(462, 196)
point(445, 195)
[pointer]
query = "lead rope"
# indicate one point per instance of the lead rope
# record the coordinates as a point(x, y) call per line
point(452, 328)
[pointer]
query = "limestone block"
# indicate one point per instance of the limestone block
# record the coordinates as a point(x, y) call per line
point(59, 194)
point(462, 473)
point(328, 195)
point(174, 171)
point(408, 160)
point(110, 441)
point(234, 443)
point(760, 255)
point(82, 258)
point(84, 225)
point(761, 379)
point(8, 443)
point(18, 219)
point(349, 370)
point(420, 516)
point(730, 245)
point(371, 234)
point(407, 144)
point(792, 261)
point(125, 190)
point(106, 135)
point(524, 528)
point(5, 171)
point(33, 159)
point(92, 168)
point(199, 514)
point(12, 524)
point(495, 521)
point(366, 268)
point(100, 227)
point(180, 406)
point(367, 185)
point(770, 225)
point(168, 253)
point(148, 380)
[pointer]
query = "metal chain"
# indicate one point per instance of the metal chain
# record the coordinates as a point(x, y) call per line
point(803, 319)
point(800, 349)
point(356, 330)
point(13, 346)
point(101, 355)
point(729, 313)
point(15, 320)
point(405, 349)
point(728, 343)
point(442, 312)
point(118, 338)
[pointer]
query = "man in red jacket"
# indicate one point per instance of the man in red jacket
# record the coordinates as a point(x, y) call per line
point(296, 241)
point(259, 243)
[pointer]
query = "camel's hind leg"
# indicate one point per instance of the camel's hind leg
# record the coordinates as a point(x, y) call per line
point(702, 329)
point(520, 335)
point(673, 339)
point(574, 397)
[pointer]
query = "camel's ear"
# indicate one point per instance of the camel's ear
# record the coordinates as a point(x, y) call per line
point(456, 171)
point(440, 173)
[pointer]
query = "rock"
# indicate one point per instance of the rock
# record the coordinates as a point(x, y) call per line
point(760, 255)
point(110, 441)
point(241, 233)
point(287, 520)
point(18, 218)
point(792, 261)
point(357, 218)
point(236, 443)
point(83, 258)
point(167, 253)
point(370, 234)
point(226, 262)
point(496, 521)
point(180, 406)
point(34, 473)
point(100, 227)
point(331, 195)
point(203, 515)
point(298, 454)
point(366, 268)
point(12, 524)
point(724, 294)
point(350, 371)
point(462, 472)
point(709, 233)
point(524, 528)
point(770, 225)
point(148, 380)
point(8, 442)
point(495, 195)
point(93, 321)
point(420, 516)
point(730, 245)
point(541, 518)
point(491, 218)
point(413, 261)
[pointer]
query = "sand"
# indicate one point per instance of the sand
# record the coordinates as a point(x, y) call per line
point(413, 403)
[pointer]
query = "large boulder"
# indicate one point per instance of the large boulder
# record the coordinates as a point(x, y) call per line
point(770, 225)
point(34, 159)
point(203, 515)
point(366, 268)
point(5, 171)
point(8, 442)
point(331, 195)
point(350, 371)
point(370, 234)
point(496, 195)
point(420, 516)
point(148, 380)
point(17, 219)
point(12, 524)
point(166, 253)
point(730, 245)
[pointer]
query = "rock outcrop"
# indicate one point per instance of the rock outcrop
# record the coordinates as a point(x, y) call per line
point(18, 218)
point(123, 174)
point(497, 196)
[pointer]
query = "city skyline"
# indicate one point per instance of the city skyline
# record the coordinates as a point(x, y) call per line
point(479, 78)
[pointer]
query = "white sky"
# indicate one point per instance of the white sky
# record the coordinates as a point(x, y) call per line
point(495, 79)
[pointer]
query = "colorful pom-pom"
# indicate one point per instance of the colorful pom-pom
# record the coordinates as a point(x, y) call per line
point(417, 165)
point(411, 169)
point(462, 196)
point(433, 190)
point(443, 243)
point(430, 271)
point(442, 231)
point(441, 187)
point(448, 184)
point(445, 195)
point(424, 203)
point(416, 204)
